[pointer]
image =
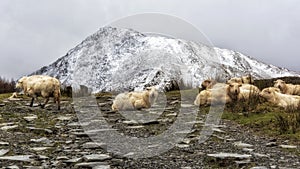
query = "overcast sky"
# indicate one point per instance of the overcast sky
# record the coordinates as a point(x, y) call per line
point(34, 33)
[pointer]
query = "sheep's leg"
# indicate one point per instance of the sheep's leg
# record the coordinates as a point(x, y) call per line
point(46, 101)
point(31, 103)
point(58, 103)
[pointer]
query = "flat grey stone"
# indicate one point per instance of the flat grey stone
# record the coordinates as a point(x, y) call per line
point(260, 155)
point(64, 118)
point(102, 167)
point(218, 130)
point(30, 118)
point(90, 164)
point(242, 145)
point(73, 160)
point(3, 152)
point(7, 124)
point(4, 143)
point(9, 127)
point(40, 148)
point(135, 127)
point(230, 155)
point(288, 146)
point(271, 144)
point(130, 122)
point(62, 158)
point(96, 157)
point(92, 145)
point(195, 122)
point(171, 114)
point(247, 161)
point(40, 129)
point(34, 104)
point(259, 167)
point(41, 140)
point(12, 167)
point(24, 158)
point(182, 145)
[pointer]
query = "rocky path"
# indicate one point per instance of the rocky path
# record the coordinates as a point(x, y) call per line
point(31, 137)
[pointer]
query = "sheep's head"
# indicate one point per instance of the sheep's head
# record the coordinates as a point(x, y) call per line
point(153, 93)
point(269, 93)
point(20, 82)
point(234, 88)
point(279, 84)
point(206, 84)
point(247, 79)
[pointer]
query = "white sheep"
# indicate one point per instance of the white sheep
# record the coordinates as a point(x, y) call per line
point(287, 88)
point(274, 96)
point(224, 93)
point(203, 98)
point(41, 85)
point(248, 90)
point(135, 100)
point(23, 82)
point(244, 79)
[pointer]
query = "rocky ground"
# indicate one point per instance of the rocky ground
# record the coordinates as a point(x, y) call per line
point(31, 137)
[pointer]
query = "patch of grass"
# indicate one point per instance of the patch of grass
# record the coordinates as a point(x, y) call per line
point(269, 120)
point(5, 96)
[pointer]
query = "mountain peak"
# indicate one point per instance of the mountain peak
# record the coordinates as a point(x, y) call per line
point(116, 59)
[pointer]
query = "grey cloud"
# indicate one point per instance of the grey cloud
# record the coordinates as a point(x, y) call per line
point(35, 33)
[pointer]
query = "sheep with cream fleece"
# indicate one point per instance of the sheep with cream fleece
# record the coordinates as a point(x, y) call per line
point(23, 82)
point(287, 88)
point(41, 85)
point(135, 100)
point(273, 95)
point(225, 93)
point(244, 79)
point(247, 91)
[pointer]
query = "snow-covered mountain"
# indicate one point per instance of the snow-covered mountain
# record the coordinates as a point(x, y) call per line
point(114, 59)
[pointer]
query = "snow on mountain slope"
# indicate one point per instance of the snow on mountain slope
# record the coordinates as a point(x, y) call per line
point(115, 59)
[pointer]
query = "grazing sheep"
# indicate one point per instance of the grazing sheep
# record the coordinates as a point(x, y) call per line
point(287, 88)
point(23, 82)
point(273, 95)
point(135, 100)
point(40, 85)
point(224, 93)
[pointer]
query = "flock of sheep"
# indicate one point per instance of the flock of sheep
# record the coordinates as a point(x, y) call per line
point(236, 89)
point(241, 89)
